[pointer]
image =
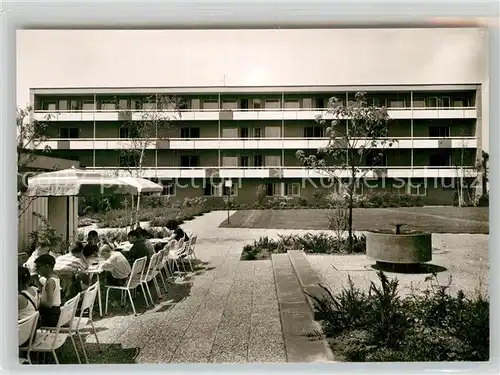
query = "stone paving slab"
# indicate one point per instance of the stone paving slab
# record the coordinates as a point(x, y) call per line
point(296, 316)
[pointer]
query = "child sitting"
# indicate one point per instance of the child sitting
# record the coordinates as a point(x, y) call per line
point(50, 301)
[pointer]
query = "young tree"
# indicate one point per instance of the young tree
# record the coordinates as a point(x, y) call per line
point(357, 132)
point(31, 134)
point(143, 126)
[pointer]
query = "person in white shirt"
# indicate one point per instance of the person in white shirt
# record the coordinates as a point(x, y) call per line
point(116, 266)
point(30, 263)
point(70, 268)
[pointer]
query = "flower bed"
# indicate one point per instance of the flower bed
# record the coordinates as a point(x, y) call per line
point(319, 243)
point(379, 325)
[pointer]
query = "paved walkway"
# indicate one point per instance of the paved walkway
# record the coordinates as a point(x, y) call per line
point(230, 315)
point(229, 310)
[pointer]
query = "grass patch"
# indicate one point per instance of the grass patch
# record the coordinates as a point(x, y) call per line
point(379, 325)
point(312, 243)
point(427, 219)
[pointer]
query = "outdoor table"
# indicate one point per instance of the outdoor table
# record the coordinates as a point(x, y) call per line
point(94, 270)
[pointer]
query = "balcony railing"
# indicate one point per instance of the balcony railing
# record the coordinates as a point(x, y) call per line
point(247, 143)
point(242, 114)
point(287, 172)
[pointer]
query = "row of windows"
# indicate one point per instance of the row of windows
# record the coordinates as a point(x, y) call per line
point(269, 132)
point(292, 189)
point(431, 100)
point(437, 158)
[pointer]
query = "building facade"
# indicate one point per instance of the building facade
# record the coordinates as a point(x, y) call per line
point(250, 135)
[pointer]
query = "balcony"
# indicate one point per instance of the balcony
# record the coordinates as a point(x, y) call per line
point(286, 172)
point(245, 114)
point(246, 143)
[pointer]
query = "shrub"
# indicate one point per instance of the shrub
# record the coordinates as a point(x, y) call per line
point(483, 201)
point(428, 326)
point(47, 236)
point(312, 243)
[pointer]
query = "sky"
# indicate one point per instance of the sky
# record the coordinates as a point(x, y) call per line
point(171, 58)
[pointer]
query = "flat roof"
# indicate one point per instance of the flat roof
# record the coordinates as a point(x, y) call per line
point(247, 89)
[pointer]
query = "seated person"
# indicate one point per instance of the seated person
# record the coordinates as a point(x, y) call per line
point(43, 248)
point(27, 298)
point(178, 233)
point(117, 268)
point(138, 249)
point(69, 267)
point(92, 247)
point(145, 236)
point(50, 301)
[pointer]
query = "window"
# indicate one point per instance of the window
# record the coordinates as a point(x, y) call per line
point(313, 132)
point(395, 103)
point(256, 104)
point(229, 161)
point(67, 133)
point(292, 104)
point(272, 131)
point(212, 189)
point(190, 161)
point(231, 191)
point(418, 189)
point(439, 131)
point(433, 102)
point(244, 133)
point(75, 105)
point(458, 102)
point(210, 104)
point(375, 102)
point(244, 103)
point(148, 105)
point(108, 105)
point(63, 105)
point(419, 102)
point(257, 161)
point(135, 104)
point(273, 103)
point(190, 132)
point(168, 187)
point(123, 104)
point(128, 132)
point(273, 161)
point(257, 132)
point(49, 106)
point(129, 160)
point(230, 133)
point(446, 102)
point(320, 102)
point(273, 189)
point(292, 189)
point(184, 104)
point(440, 158)
point(229, 104)
point(88, 105)
point(376, 159)
point(244, 161)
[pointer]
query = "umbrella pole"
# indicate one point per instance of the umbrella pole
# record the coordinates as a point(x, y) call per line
point(67, 219)
point(137, 209)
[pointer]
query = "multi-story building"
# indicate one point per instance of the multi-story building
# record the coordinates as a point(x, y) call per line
point(250, 135)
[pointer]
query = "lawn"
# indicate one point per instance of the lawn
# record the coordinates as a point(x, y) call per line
point(429, 219)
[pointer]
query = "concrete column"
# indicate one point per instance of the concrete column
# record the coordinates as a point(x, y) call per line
point(62, 214)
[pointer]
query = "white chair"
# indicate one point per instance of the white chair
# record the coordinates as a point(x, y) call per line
point(162, 259)
point(150, 275)
point(178, 252)
point(26, 331)
point(192, 244)
point(49, 339)
point(81, 323)
point(133, 282)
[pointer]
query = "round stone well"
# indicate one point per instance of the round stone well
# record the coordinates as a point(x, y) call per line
point(399, 247)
